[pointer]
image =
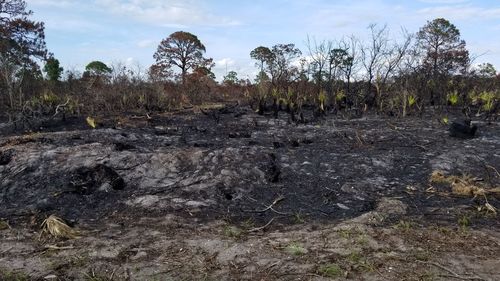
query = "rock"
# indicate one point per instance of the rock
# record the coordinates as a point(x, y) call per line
point(462, 130)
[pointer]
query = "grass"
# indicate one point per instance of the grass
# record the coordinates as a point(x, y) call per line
point(295, 249)
point(330, 270)
point(464, 185)
point(7, 275)
point(464, 222)
point(57, 228)
point(4, 225)
point(404, 225)
point(232, 231)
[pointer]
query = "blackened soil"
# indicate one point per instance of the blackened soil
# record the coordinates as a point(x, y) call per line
point(235, 165)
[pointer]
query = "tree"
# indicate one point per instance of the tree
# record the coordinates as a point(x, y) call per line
point(444, 51)
point(53, 69)
point(97, 68)
point(183, 50)
point(231, 78)
point(22, 42)
point(444, 54)
point(263, 55)
point(281, 68)
point(486, 70)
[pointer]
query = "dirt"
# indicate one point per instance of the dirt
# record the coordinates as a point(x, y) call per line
point(225, 194)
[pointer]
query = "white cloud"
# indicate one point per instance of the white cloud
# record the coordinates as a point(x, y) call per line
point(461, 12)
point(147, 43)
point(225, 62)
point(169, 13)
point(52, 3)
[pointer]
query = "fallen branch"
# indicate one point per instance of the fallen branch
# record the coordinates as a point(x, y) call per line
point(54, 247)
point(257, 229)
point(494, 169)
point(270, 207)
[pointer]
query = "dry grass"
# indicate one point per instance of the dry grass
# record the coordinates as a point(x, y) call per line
point(56, 227)
point(464, 185)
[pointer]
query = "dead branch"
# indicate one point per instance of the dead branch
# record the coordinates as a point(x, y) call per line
point(494, 169)
point(257, 229)
point(61, 106)
point(270, 207)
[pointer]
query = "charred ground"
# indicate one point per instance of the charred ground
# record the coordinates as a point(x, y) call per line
point(223, 174)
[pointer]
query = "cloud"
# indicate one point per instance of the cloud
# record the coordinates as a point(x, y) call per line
point(147, 43)
point(225, 62)
point(52, 3)
point(461, 12)
point(169, 13)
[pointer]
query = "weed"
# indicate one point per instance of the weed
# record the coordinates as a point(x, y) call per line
point(7, 275)
point(295, 249)
point(453, 98)
point(464, 222)
point(404, 225)
point(411, 100)
point(4, 225)
point(330, 270)
point(298, 218)
point(232, 231)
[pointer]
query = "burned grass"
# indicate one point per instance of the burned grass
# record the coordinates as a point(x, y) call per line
point(229, 194)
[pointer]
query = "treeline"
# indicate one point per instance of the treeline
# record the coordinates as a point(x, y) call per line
point(390, 76)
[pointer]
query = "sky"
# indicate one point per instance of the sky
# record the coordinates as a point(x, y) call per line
point(129, 31)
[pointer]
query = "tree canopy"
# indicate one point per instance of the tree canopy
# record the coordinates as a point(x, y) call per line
point(21, 39)
point(97, 68)
point(53, 69)
point(443, 49)
point(183, 50)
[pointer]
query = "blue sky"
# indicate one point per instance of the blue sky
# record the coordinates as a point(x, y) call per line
point(129, 31)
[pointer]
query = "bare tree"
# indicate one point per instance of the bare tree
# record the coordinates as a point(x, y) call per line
point(372, 55)
point(319, 54)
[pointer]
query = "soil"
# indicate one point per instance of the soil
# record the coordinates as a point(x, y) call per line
point(226, 194)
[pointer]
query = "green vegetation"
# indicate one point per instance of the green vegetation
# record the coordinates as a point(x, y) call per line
point(295, 249)
point(330, 270)
point(7, 275)
point(432, 64)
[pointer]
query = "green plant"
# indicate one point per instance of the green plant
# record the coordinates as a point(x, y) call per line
point(488, 100)
point(453, 98)
point(7, 275)
point(404, 225)
point(3, 225)
point(232, 231)
point(295, 249)
point(445, 120)
point(411, 100)
point(298, 218)
point(330, 270)
point(464, 222)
